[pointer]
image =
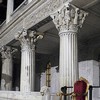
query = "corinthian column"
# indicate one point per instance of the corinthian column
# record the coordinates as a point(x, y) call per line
point(6, 78)
point(27, 59)
point(68, 20)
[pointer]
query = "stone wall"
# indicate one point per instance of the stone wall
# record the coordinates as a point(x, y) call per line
point(90, 70)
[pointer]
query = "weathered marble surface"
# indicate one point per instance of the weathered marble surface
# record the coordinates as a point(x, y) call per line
point(30, 16)
point(15, 95)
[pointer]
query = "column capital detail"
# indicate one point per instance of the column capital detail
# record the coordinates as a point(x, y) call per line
point(7, 51)
point(68, 17)
point(27, 38)
point(67, 32)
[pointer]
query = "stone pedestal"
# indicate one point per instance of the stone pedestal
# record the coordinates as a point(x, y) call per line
point(29, 1)
point(6, 77)
point(68, 19)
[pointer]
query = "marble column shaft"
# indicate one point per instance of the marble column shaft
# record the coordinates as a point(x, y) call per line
point(68, 58)
point(27, 61)
point(6, 79)
point(68, 19)
point(27, 68)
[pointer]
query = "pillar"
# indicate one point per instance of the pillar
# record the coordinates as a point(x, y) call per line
point(27, 59)
point(6, 77)
point(68, 19)
point(10, 6)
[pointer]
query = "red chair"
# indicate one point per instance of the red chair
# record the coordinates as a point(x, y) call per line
point(81, 88)
point(80, 92)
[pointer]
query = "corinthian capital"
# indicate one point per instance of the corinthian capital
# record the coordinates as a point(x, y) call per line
point(6, 52)
point(68, 17)
point(28, 37)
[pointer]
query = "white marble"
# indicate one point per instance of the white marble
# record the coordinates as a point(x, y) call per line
point(27, 60)
point(90, 70)
point(67, 21)
point(15, 95)
point(10, 6)
point(45, 92)
point(27, 40)
point(54, 80)
point(6, 77)
point(29, 1)
point(43, 79)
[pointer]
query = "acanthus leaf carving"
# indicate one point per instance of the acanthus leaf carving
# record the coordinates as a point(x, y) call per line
point(68, 17)
point(28, 38)
point(7, 51)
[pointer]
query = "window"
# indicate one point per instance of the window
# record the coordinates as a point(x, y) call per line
point(17, 3)
point(3, 8)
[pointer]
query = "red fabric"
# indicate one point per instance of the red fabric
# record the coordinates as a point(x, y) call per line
point(80, 89)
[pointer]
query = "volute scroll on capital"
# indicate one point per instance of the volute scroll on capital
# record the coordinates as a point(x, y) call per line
point(68, 17)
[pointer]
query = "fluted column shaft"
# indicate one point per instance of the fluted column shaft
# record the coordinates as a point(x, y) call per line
point(68, 19)
point(27, 60)
point(27, 68)
point(6, 78)
point(27, 40)
point(68, 58)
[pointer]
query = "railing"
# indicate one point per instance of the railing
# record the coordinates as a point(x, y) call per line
point(91, 91)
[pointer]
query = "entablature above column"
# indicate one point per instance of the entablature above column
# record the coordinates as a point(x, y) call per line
point(33, 14)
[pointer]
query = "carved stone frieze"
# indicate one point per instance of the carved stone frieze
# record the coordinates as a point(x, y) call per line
point(68, 17)
point(44, 11)
point(29, 17)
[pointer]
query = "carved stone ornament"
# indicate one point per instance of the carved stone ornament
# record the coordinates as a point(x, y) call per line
point(28, 38)
point(7, 51)
point(68, 17)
